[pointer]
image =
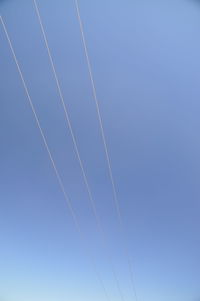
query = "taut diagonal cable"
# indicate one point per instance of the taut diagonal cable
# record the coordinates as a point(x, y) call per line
point(76, 149)
point(116, 201)
point(72, 212)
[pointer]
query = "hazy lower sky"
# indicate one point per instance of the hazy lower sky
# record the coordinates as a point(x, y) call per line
point(145, 57)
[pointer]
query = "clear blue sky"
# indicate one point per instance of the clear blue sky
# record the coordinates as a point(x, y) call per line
point(145, 58)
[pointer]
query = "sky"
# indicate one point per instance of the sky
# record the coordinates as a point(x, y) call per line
point(145, 61)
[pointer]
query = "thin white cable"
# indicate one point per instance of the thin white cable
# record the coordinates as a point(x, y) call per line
point(104, 139)
point(74, 217)
point(85, 179)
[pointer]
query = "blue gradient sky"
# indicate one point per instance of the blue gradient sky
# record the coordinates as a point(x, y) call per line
point(145, 57)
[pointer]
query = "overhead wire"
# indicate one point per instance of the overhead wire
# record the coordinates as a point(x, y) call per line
point(61, 184)
point(76, 148)
point(94, 92)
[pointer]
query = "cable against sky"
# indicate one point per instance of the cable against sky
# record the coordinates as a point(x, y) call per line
point(77, 152)
point(72, 212)
point(116, 201)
